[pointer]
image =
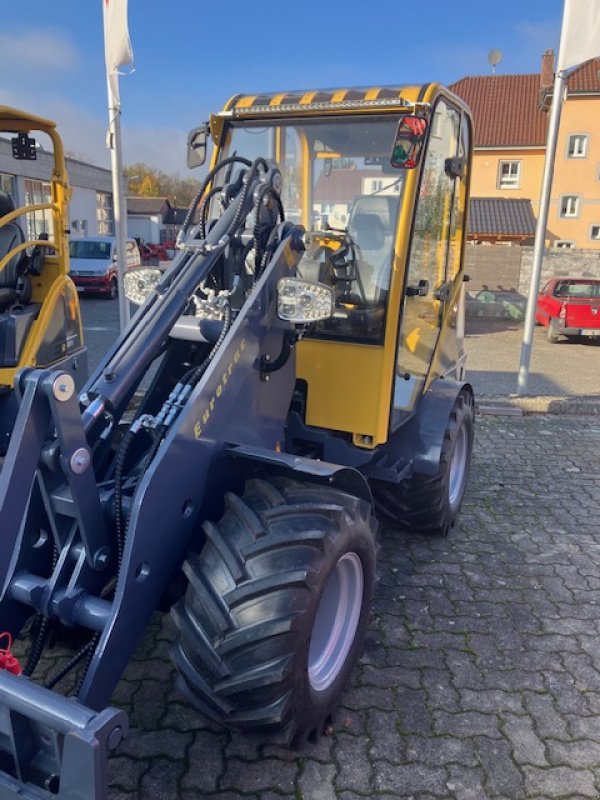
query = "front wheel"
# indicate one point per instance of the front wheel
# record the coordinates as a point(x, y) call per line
point(430, 503)
point(276, 609)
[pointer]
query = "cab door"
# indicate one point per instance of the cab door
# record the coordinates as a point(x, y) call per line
point(426, 280)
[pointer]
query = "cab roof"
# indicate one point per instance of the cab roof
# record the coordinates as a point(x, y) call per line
point(328, 100)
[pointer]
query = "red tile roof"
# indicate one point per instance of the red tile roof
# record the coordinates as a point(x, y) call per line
point(585, 78)
point(506, 108)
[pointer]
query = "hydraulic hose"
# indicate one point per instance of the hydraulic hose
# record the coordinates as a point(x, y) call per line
point(194, 204)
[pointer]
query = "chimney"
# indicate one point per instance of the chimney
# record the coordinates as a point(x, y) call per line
point(546, 80)
point(547, 73)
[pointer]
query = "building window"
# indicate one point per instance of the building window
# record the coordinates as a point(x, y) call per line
point(563, 244)
point(104, 214)
point(595, 233)
point(37, 192)
point(509, 175)
point(7, 184)
point(569, 205)
point(577, 145)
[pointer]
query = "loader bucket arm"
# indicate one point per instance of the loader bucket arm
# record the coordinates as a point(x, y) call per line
point(50, 480)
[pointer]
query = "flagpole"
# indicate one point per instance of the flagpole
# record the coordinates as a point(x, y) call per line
point(558, 94)
point(119, 201)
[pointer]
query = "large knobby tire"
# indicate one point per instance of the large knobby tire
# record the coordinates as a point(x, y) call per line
point(431, 503)
point(276, 609)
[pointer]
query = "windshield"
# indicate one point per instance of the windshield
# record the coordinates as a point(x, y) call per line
point(85, 249)
point(339, 183)
point(577, 289)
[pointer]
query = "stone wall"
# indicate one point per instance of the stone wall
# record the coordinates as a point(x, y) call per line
point(563, 263)
point(500, 275)
point(492, 268)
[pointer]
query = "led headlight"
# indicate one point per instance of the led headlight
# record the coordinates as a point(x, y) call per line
point(303, 301)
point(139, 283)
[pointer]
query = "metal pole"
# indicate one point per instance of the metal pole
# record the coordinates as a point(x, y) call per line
point(119, 202)
point(540, 231)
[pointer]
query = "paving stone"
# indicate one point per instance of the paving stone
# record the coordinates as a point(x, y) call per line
point(161, 780)
point(465, 783)
point(154, 744)
point(205, 762)
point(352, 756)
point(501, 775)
point(466, 724)
point(582, 753)
point(527, 747)
point(316, 781)
point(409, 779)
point(559, 782)
point(266, 773)
point(125, 773)
point(387, 740)
point(436, 750)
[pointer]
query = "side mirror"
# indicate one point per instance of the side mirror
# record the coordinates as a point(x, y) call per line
point(409, 141)
point(196, 146)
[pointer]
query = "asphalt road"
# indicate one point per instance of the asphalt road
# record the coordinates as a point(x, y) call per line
point(493, 353)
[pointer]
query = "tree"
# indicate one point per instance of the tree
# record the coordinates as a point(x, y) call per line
point(146, 181)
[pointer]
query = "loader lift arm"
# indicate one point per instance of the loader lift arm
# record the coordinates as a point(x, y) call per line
point(66, 470)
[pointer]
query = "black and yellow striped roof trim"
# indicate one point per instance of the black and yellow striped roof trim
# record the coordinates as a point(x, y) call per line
point(386, 97)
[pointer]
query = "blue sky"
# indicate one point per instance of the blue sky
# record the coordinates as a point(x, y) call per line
point(191, 56)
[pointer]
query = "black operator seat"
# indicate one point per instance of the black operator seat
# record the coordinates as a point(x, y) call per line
point(11, 236)
point(371, 225)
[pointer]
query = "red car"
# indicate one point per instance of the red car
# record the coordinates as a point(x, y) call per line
point(569, 307)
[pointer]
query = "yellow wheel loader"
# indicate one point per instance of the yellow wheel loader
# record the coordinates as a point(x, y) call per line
point(40, 322)
point(296, 373)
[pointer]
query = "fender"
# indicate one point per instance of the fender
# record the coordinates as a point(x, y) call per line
point(420, 439)
point(347, 479)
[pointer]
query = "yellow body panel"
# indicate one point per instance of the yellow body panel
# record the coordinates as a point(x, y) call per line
point(49, 287)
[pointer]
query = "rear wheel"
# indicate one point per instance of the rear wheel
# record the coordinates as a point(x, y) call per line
point(430, 503)
point(276, 609)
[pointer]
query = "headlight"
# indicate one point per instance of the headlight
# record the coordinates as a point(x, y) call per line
point(139, 283)
point(303, 301)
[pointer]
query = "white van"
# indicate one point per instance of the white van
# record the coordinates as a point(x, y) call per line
point(94, 264)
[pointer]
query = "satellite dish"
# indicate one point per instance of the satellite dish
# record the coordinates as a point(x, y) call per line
point(494, 57)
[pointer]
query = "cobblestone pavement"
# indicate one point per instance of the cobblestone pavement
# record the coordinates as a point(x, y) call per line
point(481, 674)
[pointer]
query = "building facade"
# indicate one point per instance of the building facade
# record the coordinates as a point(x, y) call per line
point(91, 207)
point(511, 121)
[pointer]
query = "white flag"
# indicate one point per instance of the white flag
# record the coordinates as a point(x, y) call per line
point(580, 35)
point(117, 45)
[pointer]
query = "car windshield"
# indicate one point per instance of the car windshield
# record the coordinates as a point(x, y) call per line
point(339, 183)
point(85, 249)
point(586, 289)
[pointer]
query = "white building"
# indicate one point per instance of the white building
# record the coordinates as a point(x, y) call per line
point(91, 207)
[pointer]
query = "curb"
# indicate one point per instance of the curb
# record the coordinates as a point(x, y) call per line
point(540, 404)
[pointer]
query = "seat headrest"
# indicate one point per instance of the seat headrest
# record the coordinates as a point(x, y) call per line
point(368, 231)
point(6, 204)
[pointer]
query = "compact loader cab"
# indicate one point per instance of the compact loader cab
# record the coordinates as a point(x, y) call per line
point(294, 376)
point(379, 179)
point(40, 322)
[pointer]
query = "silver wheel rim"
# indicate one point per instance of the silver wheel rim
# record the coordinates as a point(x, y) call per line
point(336, 622)
point(458, 467)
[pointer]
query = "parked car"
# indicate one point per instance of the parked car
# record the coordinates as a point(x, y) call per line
point(569, 307)
point(94, 264)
